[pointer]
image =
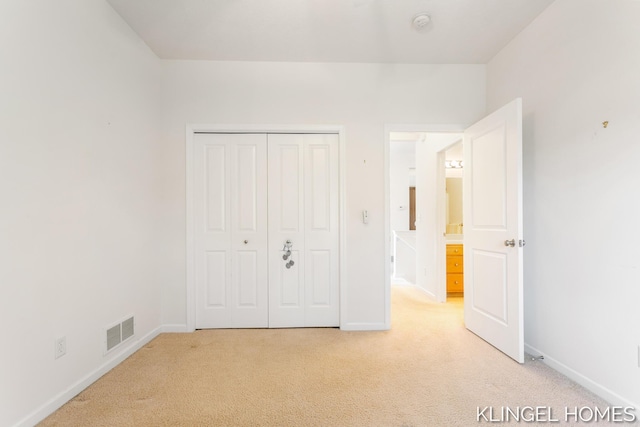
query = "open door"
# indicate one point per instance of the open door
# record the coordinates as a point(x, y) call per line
point(493, 240)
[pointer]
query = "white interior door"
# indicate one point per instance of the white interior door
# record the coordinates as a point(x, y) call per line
point(493, 306)
point(304, 211)
point(230, 235)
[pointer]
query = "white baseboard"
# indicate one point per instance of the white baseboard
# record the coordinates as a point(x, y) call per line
point(179, 328)
point(598, 389)
point(56, 402)
point(399, 281)
point(364, 327)
point(428, 294)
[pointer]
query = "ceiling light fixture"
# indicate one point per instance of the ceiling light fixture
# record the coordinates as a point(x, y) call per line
point(421, 22)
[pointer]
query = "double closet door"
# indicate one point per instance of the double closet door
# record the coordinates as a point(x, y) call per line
point(266, 230)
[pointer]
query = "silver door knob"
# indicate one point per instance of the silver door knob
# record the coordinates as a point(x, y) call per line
point(511, 243)
point(246, 241)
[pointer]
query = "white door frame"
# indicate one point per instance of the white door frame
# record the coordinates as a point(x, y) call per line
point(191, 130)
point(424, 128)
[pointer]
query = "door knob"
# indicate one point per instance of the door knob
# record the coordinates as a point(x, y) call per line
point(246, 241)
point(511, 243)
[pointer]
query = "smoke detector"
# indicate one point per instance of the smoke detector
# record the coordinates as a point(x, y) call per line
point(421, 22)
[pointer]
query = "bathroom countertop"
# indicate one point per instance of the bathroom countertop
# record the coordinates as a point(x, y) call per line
point(454, 239)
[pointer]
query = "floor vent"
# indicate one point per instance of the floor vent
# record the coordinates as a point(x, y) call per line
point(118, 333)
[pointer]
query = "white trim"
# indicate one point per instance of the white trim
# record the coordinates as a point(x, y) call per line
point(428, 294)
point(598, 389)
point(244, 128)
point(190, 232)
point(363, 326)
point(342, 273)
point(57, 401)
point(192, 129)
point(388, 128)
point(387, 229)
point(177, 328)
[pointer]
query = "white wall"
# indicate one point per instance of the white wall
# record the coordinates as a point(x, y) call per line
point(576, 66)
point(402, 157)
point(430, 182)
point(79, 193)
point(402, 163)
point(404, 256)
point(362, 97)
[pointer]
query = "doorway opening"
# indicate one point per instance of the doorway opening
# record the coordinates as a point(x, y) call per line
point(417, 233)
point(454, 227)
point(493, 216)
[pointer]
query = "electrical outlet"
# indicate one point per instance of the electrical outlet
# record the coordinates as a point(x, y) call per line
point(60, 347)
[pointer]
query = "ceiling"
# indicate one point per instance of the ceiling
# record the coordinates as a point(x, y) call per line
point(373, 31)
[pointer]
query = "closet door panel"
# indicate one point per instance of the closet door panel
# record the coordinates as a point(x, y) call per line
point(303, 209)
point(286, 233)
point(230, 230)
point(249, 298)
point(321, 208)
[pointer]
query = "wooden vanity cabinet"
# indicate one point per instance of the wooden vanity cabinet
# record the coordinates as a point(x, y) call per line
point(455, 271)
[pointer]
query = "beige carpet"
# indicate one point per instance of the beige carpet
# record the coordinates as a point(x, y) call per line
point(426, 371)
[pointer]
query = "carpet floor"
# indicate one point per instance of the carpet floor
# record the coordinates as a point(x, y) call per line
point(428, 370)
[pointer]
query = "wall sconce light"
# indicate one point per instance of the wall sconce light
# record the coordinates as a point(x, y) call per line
point(454, 164)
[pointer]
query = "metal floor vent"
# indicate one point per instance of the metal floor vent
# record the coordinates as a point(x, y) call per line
point(117, 334)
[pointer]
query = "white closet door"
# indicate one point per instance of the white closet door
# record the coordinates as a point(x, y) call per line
point(303, 209)
point(230, 230)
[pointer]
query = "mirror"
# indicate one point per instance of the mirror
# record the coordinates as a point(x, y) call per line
point(453, 173)
point(454, 206)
